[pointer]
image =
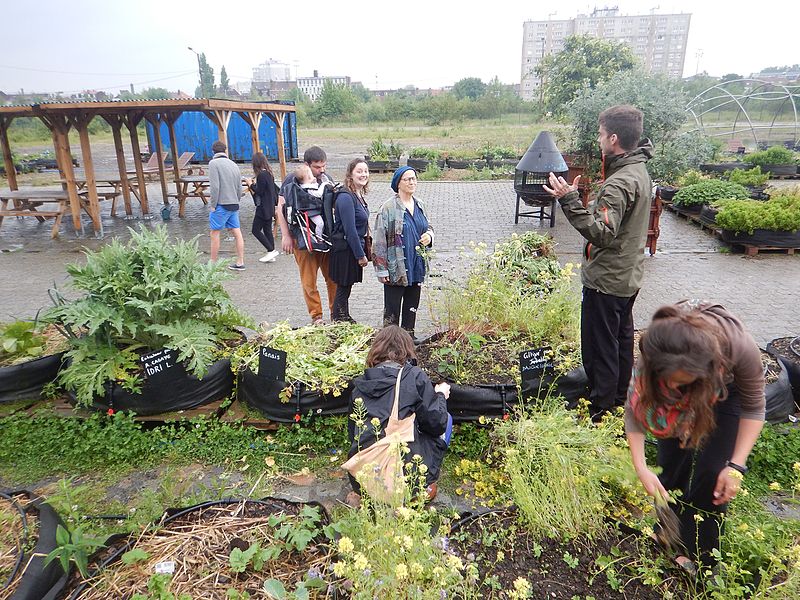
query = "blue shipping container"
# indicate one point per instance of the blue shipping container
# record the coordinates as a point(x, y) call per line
point(195, 132)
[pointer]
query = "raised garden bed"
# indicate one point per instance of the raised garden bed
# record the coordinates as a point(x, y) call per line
point(787, 350)
point(226, 549)
point(34, 362)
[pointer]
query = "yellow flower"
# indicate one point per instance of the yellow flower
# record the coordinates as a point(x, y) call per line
point(454, 563)
point(522, 587)
point(500, 556)
point(339, 569)
point(735, 474)
point(698, 517)
point(401, 572)
point(346, 545)
point(360, 562)
point(796, 467)
point(408, 542)
point(416, 569)
point(775, 486)
point(438, 571)
point(375, 422)
point(405, 513)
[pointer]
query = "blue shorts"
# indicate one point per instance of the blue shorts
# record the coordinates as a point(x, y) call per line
point(221, 218)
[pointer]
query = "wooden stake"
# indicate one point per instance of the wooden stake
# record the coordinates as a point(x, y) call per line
point(116, 127)
point(81, 123)
point(132, 120)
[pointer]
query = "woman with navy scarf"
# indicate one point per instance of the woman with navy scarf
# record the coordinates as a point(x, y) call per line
point(402, 230)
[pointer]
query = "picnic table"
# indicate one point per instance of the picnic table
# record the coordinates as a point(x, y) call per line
point(26, 203)
point(113, 190)
point(193, 186)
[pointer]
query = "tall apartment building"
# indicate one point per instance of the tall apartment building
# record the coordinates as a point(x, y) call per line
point(271, 70)
point(312, 86)
point(659, 41)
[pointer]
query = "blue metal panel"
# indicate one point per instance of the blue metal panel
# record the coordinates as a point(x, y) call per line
point(195, 132)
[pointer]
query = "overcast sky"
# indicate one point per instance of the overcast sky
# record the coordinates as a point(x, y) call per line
point(69, 46)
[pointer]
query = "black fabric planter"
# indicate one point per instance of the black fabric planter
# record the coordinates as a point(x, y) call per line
point(185, 393)
point(469, 403)
point(667, 192)
point(26, 380)
point(691, 209)
point(780, 170)
point(264, 396)
point(40, 581)
point(791, 363)
point(721, 167)
point(780, 401)
point(418, 164)
point(708, 215)
point(123, 543)
point(767, 238)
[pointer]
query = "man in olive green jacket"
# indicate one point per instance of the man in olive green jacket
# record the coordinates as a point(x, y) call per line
point(615, 229)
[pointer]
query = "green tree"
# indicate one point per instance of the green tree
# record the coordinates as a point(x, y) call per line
point(469, 87)
point(660, 99)
point(336, 100)
point(224, 82)
point(206, 87)
point(155, 93)
point(585, 61)
point(362, 93)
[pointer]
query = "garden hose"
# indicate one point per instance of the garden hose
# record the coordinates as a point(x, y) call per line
point(23, 542)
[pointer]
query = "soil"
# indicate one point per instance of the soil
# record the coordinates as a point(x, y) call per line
point(494, 363)
point(772, 368)
point(199, 544)
point(555, 569)
point(788, 348)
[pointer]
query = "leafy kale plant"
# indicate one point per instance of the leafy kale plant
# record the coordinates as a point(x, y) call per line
point(144, 295)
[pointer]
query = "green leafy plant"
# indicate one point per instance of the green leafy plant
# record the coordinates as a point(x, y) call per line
point(144, 295)
point(425, 153)
point(691, 177)
point(776, 155)
point(379, 150)
point(779, 213)
point(708, 191)
point(750, 177)
point(431, 173)
point(158, 586)
point(73, 546)
point(320, 358)
point(19, 341)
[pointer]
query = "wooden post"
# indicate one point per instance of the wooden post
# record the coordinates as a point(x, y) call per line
point(253, 118)
point(81, 123)
point(8, 162)
point(222, 118)
point(173, 146)
point(59, 127)
point(278, 118)
point(116, 128)
point(132, 120)
point(155, 121)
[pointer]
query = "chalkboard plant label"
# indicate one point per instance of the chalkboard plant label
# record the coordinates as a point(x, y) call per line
point(272, 364)
point(533, 363)
point(162, 367)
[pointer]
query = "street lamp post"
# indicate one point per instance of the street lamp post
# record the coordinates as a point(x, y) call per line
point(199, 69)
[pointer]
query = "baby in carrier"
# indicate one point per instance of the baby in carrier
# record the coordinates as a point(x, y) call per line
point(309, 198)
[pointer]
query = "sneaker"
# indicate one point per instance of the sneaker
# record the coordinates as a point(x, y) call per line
point(236, 267)
point(269, 257)
point(318, 321)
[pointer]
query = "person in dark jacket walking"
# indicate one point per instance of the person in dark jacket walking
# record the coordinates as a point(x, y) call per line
point(392, 349)
point(615, 229)
point(265, 197)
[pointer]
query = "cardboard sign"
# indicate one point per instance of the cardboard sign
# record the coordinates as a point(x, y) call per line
point(272, 364)
point(532, 363)
point(161, 366)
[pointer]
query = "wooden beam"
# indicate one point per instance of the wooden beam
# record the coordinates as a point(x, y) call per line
point(116, 127)
point(253, 119)
point(132, 120)
point(81, 123)
point(171, 117)
point(279, 118)
point(8, 161)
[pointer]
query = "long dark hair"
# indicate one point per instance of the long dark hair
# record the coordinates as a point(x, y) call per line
point(348, 176)
point(391, 344)
point(677, 340)
point(260, 163)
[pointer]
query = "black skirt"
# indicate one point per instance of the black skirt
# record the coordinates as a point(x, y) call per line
point(344, 269)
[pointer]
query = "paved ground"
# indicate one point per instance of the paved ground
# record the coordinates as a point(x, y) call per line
point(762, 290)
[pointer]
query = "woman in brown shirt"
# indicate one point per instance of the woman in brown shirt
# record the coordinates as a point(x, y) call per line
point(699, 388)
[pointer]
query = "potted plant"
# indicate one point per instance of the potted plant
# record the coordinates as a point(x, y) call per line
point(774, 223)
point(690, 199)
point(320, 362)
point(420, 158)
point(382, 156)
point(500, 156)
point(753, 179)
point(153, 328)
point(777, 161)
point(30, 357)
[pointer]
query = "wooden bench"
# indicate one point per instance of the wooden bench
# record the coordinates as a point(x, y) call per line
point(26, 203)
point(736, 147)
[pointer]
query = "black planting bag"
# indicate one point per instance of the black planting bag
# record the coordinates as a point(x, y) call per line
point(25, 380)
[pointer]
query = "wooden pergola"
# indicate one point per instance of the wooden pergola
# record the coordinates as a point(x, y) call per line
point(61, 117)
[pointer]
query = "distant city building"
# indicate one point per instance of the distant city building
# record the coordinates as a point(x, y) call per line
point(778, 77)
point(411, 92)
point(271, 70)
point(659, 41)
point(312, 86)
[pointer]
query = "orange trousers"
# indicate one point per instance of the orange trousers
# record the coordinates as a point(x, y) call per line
point(308, 264)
